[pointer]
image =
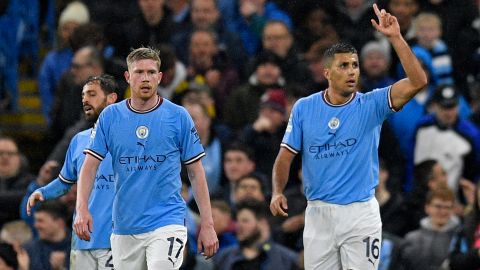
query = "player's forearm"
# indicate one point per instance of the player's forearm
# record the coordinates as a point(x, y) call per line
point(281, 170)
point(201, 195)
point(55, 189)
point(410, 63)
point(85, 182)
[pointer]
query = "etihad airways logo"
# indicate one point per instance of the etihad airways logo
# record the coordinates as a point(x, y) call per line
point(331, 150)
point(142, 159)
point(142, 163)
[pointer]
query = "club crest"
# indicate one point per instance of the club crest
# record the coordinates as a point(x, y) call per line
point(142, 132)
point(334, 123)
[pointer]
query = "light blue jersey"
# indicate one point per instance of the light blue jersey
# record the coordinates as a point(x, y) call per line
point(339, 144)
point(147, 149)
point(100, 202)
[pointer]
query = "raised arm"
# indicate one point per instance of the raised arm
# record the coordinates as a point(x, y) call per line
point(207, 238)
point(281, 170)
point(83, 224)
point(405, 89)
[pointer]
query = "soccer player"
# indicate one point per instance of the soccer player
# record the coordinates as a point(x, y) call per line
point(337, 131)
point(148, 137)
point(97, 94)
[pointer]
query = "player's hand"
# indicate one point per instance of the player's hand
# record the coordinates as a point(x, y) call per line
point(279, 205)
point(83, 225)
point(387, 23)
point(33, 199)
point(207, 243)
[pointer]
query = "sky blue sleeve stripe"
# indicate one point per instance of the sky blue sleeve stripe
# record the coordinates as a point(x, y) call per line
point(66, 180)
point(55, 189)
point(288, 147)
point(94, 154)
point(192, 160)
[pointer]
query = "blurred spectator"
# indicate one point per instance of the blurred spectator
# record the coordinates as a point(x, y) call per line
point(250, 186)
point(14, 179)
point(256, 250)
point(47, 173)
point(390, 254)
point(223, 224)
point(265, 134)
point(205, 15)
point(57, 61)
point(154, 27)
point(427, 247)
point(67, 107)
point(92, 34)
point(427, 176)
point(404, 122)
point(392, 204)
point(456, 17)
point(352, 21)
point(8, 257)
point(404, 11)
point(180, 13)
point(50, 250)
point(212, 162)
point(316, 66)
point(316, 26)
point(443, 136)
point(243, 104)
point(464, 251)
point(210, 66)
point(17, 233)
point(375, 61)
point(174, 73)
point(278, 38)
point(10, 28)
point(238, 161)
point(251, 18)
point(428, 32)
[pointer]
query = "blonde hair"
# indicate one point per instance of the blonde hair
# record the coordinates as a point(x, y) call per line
point(144, 53)
point(427, 17)
point(16, 232)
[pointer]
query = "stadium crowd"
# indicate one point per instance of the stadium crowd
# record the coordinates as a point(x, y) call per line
point(238, 67)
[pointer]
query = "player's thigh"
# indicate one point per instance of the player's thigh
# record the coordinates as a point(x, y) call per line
point(104, 259)
point(165, 248)
point(320, 249)
point(361, 243)
point(82, 260)
point(128, 252)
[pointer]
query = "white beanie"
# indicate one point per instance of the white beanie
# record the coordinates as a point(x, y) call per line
point(374, 46)
point(76, 11)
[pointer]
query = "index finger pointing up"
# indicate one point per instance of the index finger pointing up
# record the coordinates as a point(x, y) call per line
point(377, 11)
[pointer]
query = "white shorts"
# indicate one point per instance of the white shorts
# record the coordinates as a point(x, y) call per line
point(160, 249)
point(91, 259)
point(342, 236)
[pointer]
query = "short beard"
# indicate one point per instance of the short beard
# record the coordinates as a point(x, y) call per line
point(250, 240)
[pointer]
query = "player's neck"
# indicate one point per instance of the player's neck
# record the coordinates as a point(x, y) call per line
point(144, 105)
point(335, 98)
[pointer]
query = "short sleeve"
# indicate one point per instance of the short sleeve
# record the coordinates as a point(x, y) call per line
point(292, 140)
point(382, 101)
point(68, 173)
point(190, 145)
point(97, 145)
